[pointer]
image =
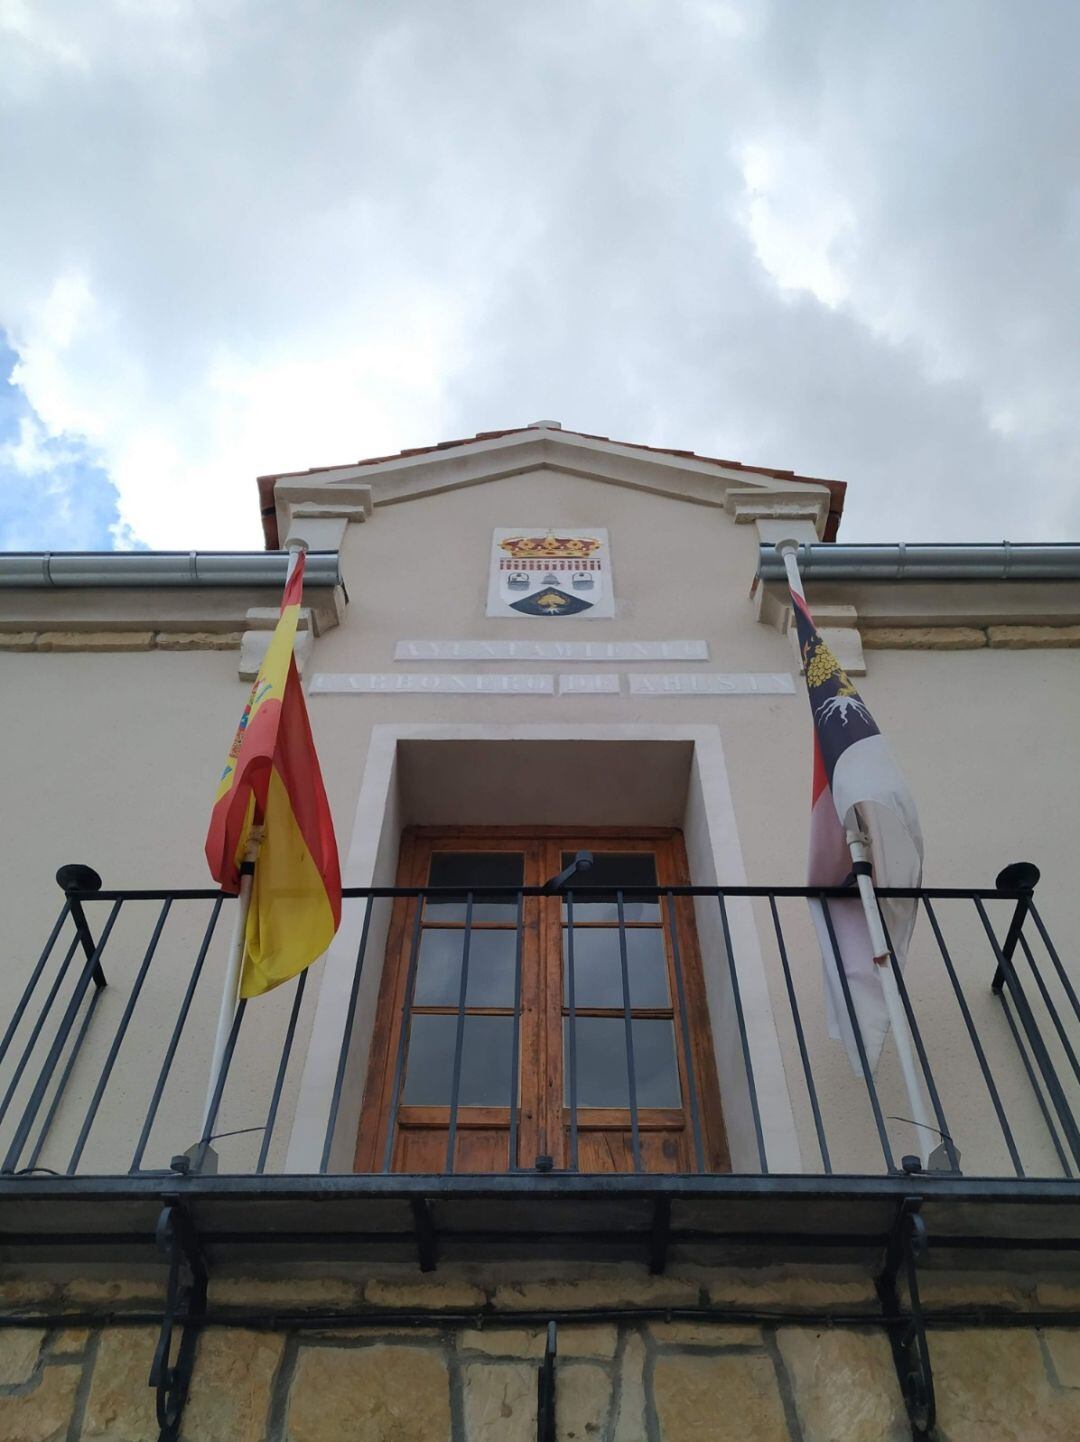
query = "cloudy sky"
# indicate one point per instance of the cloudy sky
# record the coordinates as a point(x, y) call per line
point(244, 236)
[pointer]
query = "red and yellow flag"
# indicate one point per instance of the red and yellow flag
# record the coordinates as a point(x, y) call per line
point(272, 778)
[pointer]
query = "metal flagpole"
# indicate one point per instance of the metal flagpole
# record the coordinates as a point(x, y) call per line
point(230, 992)
point(859, 847)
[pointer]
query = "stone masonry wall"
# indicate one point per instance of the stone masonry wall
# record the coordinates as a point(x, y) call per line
point(643, 1380)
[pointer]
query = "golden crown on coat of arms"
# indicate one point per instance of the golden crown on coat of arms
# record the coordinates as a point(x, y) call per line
point(550, 547)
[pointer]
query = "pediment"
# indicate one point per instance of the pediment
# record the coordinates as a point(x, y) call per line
point(363, 487)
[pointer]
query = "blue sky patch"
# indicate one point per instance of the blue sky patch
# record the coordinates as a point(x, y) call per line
point(54, 493)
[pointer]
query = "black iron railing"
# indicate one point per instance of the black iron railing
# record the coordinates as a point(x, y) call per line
point(104, 1060)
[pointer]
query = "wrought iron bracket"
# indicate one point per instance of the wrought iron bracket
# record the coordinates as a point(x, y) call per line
point(177, 1238)
point(427, 1242)
point(545, 1388)
point(660, 1235)
point(907, 1331)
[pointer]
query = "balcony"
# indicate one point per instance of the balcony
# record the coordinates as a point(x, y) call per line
point(105, 1059)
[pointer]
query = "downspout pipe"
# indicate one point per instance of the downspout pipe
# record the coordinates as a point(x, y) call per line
point(1000, 561)
point(152, 569)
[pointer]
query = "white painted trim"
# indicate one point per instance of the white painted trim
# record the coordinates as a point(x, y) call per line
point(715, 853)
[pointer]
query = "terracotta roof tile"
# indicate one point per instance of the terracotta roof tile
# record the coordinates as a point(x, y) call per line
point(266, 483)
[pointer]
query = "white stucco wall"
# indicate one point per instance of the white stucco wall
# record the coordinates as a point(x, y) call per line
point(111, 759)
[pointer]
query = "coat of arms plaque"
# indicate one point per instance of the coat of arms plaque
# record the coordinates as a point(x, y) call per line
point(560, 571)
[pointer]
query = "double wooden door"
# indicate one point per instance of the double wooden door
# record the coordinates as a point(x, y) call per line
point(525, 1032)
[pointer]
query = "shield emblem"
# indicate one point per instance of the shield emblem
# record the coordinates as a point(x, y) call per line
point(550, 602)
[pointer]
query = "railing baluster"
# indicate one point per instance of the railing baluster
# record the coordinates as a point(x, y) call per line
point(1051, 951)
point(744, 1040)
point(1036, 1088)
point(403, 1038)
point(459, 1036)
point(860, 1047)
point(684, 1020)
point(283, 1067)
point(515, 1052)
point(571, 1032)
point(118, 1039)
point(1038, 1046)
point(28, 990)
point(174, 1040)
point(1051, 1009)
point(628, 1025)
point(346, 1038)
point(219, 1089)
point(35, 1032)
point(69, 1066)
point(973, 1034)
point(796, 1017)
point(924, 1060)
point(89, 974)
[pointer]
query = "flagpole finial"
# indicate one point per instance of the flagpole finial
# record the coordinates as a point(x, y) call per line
point(787, 547)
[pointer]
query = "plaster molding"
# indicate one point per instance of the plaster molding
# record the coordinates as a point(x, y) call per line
point(300, 502)
point(807, 503)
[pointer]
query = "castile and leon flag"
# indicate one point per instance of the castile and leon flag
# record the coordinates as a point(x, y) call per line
point(272, 778)
point(857, 784)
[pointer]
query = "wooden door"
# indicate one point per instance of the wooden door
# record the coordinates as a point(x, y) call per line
point(564, 1031)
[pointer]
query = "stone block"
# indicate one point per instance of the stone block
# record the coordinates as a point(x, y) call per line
point(792, 1286)
point(582, 1402)
point(90, 1291)
point(44, 1413)
point(971, 1289)
point(617, 1288)
point(17, 640)
point(702, 1334)
point(1026, 638)
point(923, 638)
point(719, 1399)
point(19, 1293)
point(992, 1384)
point(844, 1385)
point(254, 645)
point(19, 1351)
point(585, 1341)
point(298, 1292)
point(95, 640)
point(1063, 1344)
point(499, 1401)
point(197, 640)
point(230, 1394)
point(265, 618)
point(68, 1341)
point(449, 1295)
point(1059, 1292)
point(120, 1407)
point(630, 1423)
point(369, 1394)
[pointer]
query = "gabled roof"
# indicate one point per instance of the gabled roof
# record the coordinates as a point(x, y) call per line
point(266, 483)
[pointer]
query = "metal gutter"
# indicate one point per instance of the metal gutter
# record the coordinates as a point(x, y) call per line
point(153, 569)
point(1000, 561)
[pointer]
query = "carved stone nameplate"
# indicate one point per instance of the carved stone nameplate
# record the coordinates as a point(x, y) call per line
point(581, 683)
point(713, 683)
point(563, 651)
point(492, 683)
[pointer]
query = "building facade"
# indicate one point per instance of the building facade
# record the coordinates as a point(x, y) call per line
point(554, 1141)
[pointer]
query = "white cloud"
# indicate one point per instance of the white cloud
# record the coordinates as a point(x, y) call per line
point(249, 237)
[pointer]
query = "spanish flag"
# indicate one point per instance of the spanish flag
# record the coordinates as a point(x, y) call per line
point(272, 779)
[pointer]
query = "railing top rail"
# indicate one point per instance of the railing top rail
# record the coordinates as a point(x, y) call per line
point(582, 893)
